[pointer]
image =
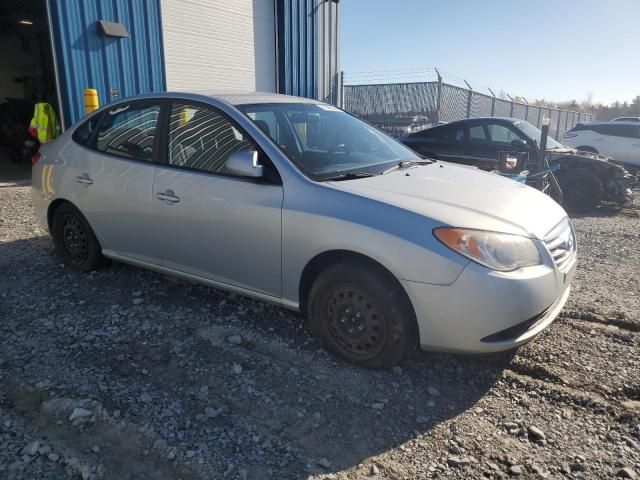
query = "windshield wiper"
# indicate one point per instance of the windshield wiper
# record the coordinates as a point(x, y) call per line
point(406, 164)
point(348, 176)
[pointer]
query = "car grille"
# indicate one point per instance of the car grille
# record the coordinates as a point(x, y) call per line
point(561, 242)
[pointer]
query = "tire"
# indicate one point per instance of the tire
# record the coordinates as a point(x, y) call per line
point(587, 149)
point(362, 315)
point(582, 191)
point(74, 240)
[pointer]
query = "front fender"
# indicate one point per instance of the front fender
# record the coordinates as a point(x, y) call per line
point(399, 240)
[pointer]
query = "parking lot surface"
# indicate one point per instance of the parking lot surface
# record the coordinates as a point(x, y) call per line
point(128, 374)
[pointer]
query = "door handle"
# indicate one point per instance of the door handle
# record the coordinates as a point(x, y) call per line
point(84, 179)
point(168, 197)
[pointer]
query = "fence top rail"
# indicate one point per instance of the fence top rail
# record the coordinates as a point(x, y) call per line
point(389, 84)
point(430, 75)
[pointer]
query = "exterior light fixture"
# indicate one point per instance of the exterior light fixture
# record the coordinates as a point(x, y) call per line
point(24, 21)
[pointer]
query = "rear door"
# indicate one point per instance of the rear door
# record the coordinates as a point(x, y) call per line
point(626, 138)
point(114, 184)
point(445, 143)
point(210, 223)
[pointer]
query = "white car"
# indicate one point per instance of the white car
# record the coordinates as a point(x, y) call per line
point(626, 119)
point(616, 139)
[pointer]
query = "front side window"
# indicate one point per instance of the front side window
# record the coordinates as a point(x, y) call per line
point(501, 134)
point(323, 141)
point(129, 131)
point(203, 139)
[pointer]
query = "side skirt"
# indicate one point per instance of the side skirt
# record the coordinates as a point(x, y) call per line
point(201, 280)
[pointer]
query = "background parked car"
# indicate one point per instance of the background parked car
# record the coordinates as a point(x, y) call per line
point(626, 119)
point(585, 178)
point(617, 139)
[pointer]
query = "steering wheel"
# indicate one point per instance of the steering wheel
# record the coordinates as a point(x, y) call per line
point(340, 146)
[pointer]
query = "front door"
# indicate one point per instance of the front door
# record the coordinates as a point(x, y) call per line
point(114, 180)
point(488, 139)
point(212, 224)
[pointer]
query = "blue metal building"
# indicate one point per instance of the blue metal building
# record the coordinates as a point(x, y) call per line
point(127, 47)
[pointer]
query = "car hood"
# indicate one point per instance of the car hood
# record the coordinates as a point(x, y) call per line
point(557, 153)
point(463, 197)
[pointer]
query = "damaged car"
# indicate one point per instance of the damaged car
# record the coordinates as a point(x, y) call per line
point(297, 203)
point(586, 178)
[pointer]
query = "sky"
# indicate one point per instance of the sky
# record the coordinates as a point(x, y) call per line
point(552, 49)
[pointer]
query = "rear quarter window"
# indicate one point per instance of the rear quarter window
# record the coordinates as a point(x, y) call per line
point(84, 133)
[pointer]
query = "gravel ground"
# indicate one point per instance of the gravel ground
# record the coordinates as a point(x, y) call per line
point(129, 374)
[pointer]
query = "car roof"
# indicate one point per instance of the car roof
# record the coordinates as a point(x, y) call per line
point(610, 122)
point(478, 119)
point(251, 98)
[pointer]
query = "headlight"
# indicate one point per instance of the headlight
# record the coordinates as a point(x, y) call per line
point(498, 251)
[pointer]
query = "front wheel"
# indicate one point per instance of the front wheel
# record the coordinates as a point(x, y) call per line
point(362, 315)
point(582, 191)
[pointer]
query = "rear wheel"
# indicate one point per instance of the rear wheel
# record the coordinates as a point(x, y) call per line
point(362, 315)
point(582, 191)
point(74, 240)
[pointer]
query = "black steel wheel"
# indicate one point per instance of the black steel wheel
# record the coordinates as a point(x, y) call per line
point(355, 321)
point(74, 240)
point(582, 191)
point(362, 314)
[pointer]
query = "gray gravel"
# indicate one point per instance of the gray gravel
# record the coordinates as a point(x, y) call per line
point(128, 374)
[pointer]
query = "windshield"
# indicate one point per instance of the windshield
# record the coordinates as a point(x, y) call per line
point(324, 142)
point(536, 134)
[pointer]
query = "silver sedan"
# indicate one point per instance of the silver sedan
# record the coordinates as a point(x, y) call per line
point(295, 202)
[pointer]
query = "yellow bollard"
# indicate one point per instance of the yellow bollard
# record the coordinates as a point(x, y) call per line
point(91, 101)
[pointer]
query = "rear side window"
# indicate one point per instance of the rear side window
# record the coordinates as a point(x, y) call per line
point(201, 138)
point(455, 134)
point(84, 132)
point(129, 131)
point(629, 131)
point(477, 134)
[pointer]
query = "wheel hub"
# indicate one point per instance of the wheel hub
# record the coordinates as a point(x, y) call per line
point(75, 240)
point(356, 321)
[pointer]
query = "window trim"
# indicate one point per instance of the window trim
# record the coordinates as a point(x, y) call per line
point(92, 143)
point(164, 145)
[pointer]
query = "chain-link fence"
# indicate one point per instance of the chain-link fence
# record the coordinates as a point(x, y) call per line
point(397, 103)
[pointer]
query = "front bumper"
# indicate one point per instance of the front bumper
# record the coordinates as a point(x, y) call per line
point(485, 311)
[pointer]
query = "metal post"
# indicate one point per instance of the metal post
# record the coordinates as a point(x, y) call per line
point(558, 126)
point(566, 123)
point(439, 98)
point(469, 99)
point(493, 102)
point(539, 117)
point(341, 99)
point(512, 104)
point(543, 142)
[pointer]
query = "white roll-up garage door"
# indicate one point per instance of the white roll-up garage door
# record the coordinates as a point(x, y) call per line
point(219, 45)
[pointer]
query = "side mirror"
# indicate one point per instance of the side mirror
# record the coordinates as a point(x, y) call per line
point(518, 143)
point(244, 164)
